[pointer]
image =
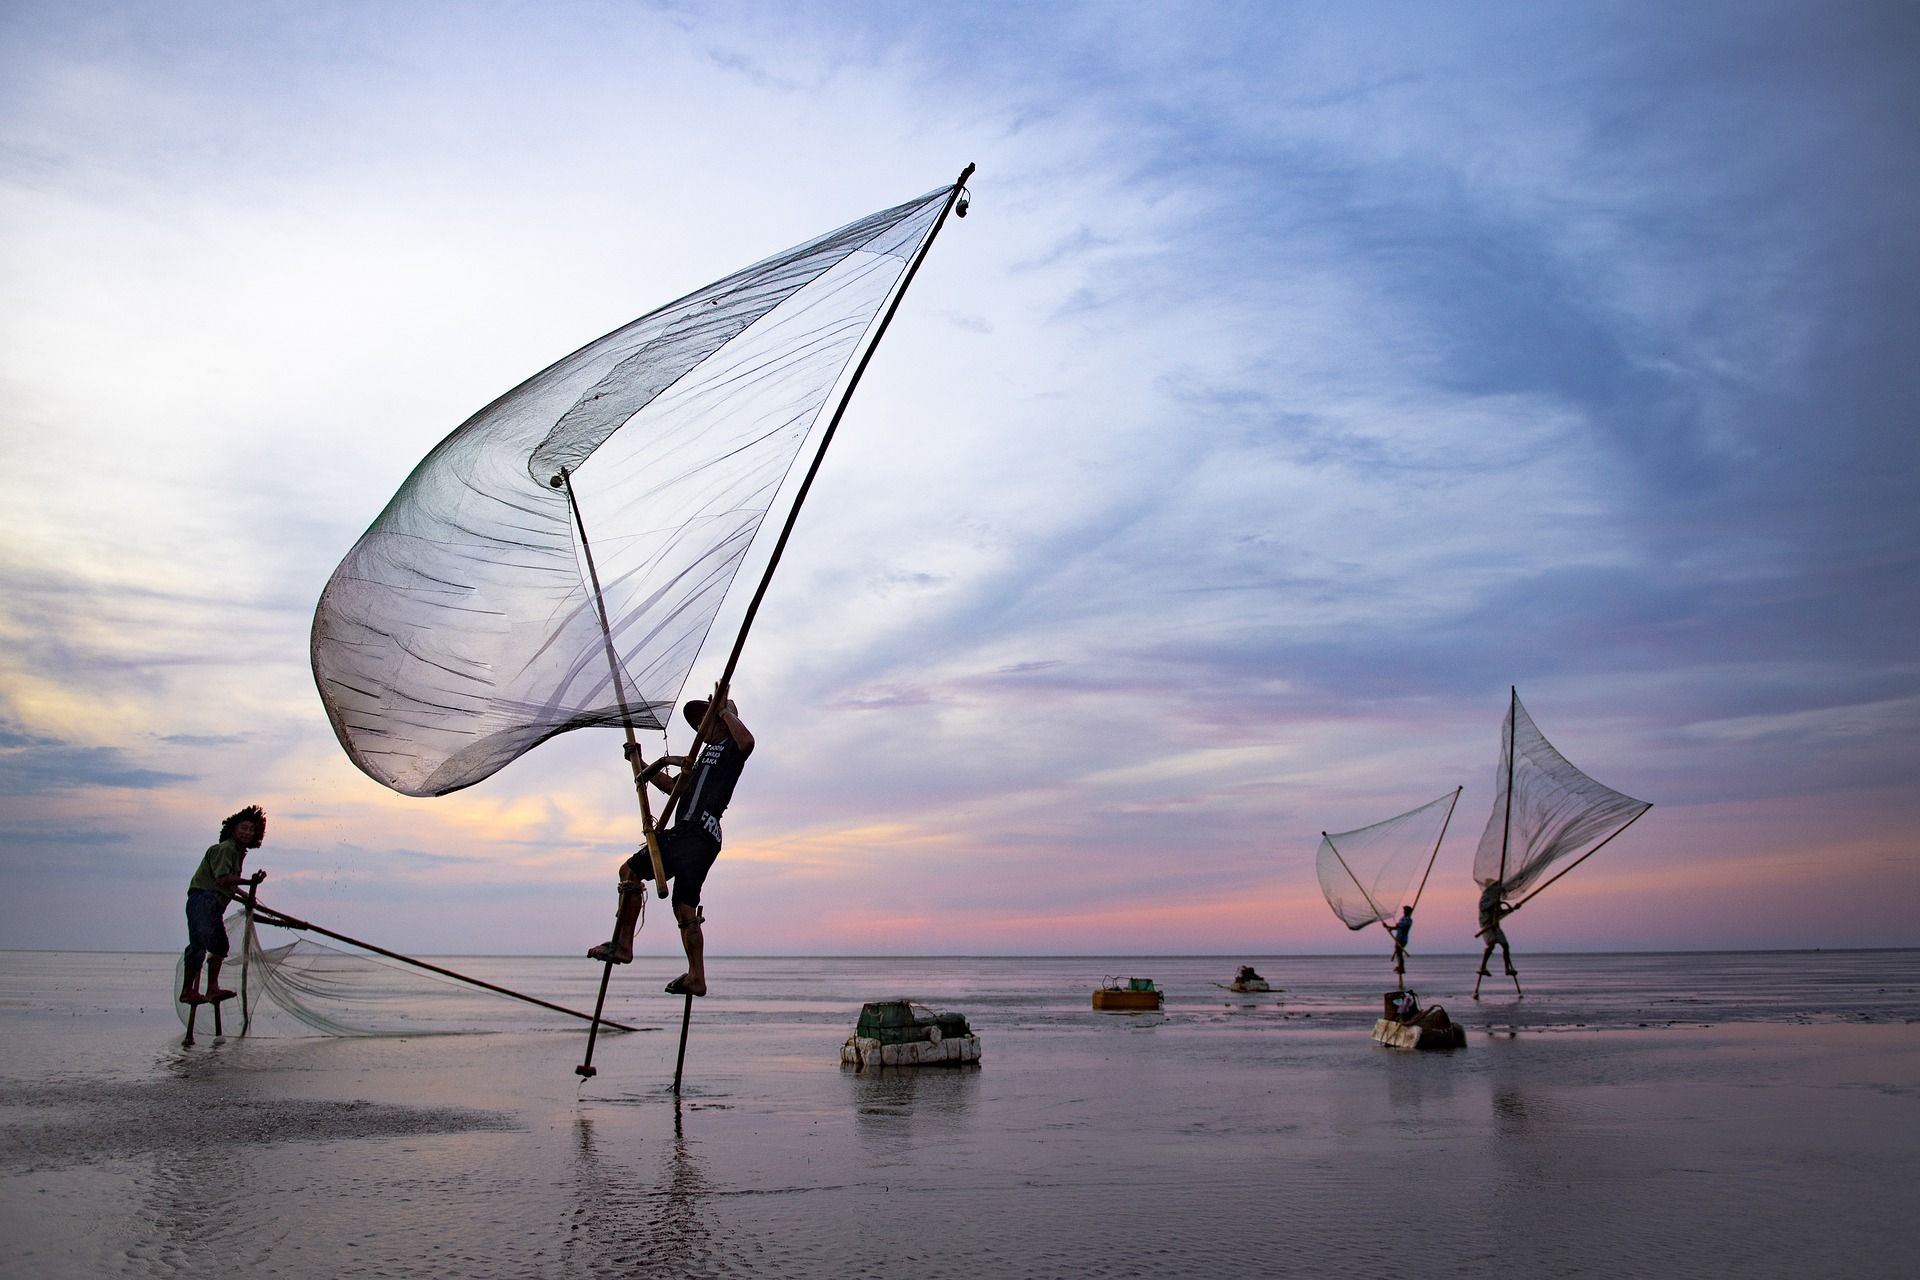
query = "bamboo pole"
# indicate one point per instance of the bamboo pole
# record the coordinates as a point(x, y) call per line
point(246, 954)
point(564, 480)
point(1436, 848)
point(1378, 918)
point(1582, 858)
point(1513, 732)
point(806, 484)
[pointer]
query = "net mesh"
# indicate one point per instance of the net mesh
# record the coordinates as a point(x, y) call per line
point(1558, 813)
point(347, 993)
point(461, 630)
point(1367, 873)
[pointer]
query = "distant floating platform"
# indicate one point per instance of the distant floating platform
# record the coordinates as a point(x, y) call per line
point(898, 1033)
point(1128, 995)
point(1247, 981)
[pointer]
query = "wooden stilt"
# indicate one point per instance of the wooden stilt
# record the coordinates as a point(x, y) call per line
point(586, 1069)
point(1477, 979)
point(1515, 975)
point(193, 1016)
point(686, 1015)
point(218, 1029)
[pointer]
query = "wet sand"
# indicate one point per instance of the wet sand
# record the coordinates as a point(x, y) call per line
point(1228, 1135)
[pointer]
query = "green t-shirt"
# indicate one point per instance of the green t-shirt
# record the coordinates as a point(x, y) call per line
point(222, 859)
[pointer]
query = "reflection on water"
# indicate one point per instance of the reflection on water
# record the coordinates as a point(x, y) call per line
point(899, 1109)
point(648, 1212)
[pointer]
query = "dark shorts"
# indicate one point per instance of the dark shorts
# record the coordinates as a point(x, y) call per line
point(206, 931)
point(687, 853)
point(1495, 936)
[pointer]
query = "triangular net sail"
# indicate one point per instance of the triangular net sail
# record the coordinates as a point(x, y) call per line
point(339, 992)
point(1368, 874)
point(1557, 814)
point(461, 631)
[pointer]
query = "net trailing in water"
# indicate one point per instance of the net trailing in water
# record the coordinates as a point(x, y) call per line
point(1547, 814)
point(461, 630)
point(340, 992)
point(1368, 874)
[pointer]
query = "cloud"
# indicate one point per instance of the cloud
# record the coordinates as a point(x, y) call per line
point(32, 764)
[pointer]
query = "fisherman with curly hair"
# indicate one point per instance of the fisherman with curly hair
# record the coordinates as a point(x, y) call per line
point(213, 886)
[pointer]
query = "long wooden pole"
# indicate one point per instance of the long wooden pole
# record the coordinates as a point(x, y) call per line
point(793, 513)
point(725, 682)
point(1513, 732)
point(285, 921)
point(564, 480)
point(585, 1070)
point(1356, 884)
point(1436, 849)
point(1582, 858)
point(246, 954)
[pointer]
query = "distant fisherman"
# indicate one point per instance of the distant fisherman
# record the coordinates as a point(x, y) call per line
point(1493, 907)
point(1401, 929)
point(208, 893)
point(688, 846)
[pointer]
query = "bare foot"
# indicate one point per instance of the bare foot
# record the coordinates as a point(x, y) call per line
point(221, 993)
point(192, 997)
point(683, 986)
point(609, 953)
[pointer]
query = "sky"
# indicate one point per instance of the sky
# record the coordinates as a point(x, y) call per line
point(1303, 378)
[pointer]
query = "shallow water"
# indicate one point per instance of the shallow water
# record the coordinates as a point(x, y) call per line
point(1673, 1115)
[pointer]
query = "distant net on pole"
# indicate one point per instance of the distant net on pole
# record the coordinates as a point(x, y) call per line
point(1558, 814)
point(461, 630)
point(1368, 874)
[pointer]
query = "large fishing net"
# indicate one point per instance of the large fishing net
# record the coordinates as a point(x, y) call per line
point(347, 993)
point(1368, 874)
point(1556, 814)
point(461, 629)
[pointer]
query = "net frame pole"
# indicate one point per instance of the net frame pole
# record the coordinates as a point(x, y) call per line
point(833, 425)
point(246, 955)
point(564, 481)
point(725, 682)
point(281, 920)
point(1513, 732)
point(1436, 847)
point(1378, 918)
point(1583, 857)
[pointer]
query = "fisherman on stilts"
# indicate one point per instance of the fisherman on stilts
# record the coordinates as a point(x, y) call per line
point(216, 882)
point(1494, 908)
point(1402, 929)
point(689, 838)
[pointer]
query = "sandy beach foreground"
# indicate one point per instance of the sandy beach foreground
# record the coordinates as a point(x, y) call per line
point(1764, 1121)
